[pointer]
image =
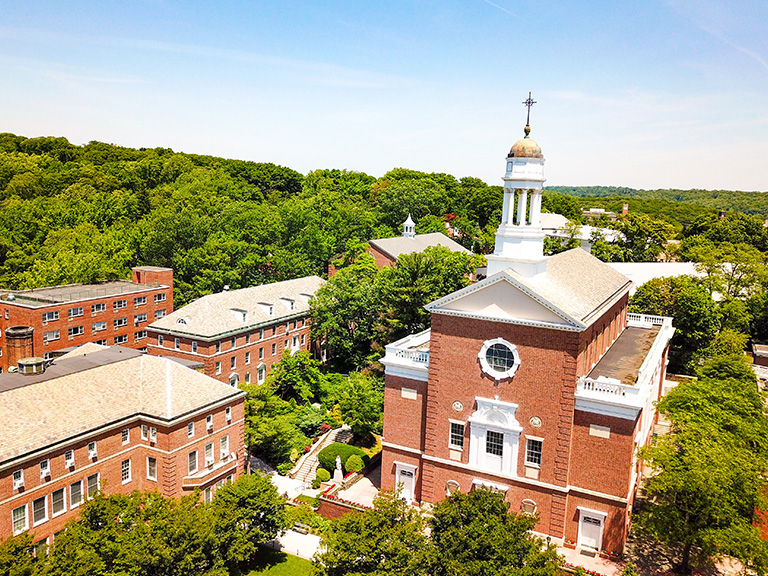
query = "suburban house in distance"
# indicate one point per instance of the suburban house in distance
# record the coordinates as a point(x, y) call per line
point(42, 321)
point(535, 382)
point(238, 334)
point(386, 250)
point(110, 419)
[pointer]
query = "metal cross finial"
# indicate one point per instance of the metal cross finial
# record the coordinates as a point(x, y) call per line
point(530, 102)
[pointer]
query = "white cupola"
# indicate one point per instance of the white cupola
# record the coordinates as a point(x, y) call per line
point(409, 228)
point(520, 239)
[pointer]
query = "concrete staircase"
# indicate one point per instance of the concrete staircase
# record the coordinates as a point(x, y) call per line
point(306, 467)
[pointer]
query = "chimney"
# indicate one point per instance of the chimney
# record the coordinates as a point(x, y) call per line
point(19, 343)
point(625, 209)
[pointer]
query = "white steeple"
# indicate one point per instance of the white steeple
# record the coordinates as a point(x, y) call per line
point(409, 227)
point(520, 239)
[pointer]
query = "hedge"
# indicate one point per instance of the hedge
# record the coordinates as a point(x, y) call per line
point(323, 475)
point(327, 456)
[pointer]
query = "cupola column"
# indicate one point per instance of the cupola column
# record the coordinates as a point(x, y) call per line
point(522, 206)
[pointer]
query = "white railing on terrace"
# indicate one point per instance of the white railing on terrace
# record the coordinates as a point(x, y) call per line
point(411, 352)
point(647, 320)
point(608, 388)
point(418, 356)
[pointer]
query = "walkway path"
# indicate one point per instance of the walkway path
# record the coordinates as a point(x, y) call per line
point(302, 545)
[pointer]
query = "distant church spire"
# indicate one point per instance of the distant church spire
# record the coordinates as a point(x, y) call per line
point(409, 227)
point(520, 239)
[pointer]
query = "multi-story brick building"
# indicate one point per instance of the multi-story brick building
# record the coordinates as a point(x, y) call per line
point(110, 419)
point(535, 382)
point(238, 334)
point(42, 321)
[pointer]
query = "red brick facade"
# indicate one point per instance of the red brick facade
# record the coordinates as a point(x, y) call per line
point(587, 458)
point(170, 444)
point(119, 317)
point(251, 349)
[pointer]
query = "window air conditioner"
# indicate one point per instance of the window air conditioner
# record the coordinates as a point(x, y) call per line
point(69, 462)
point(45, 474)
point(209, 461)
point(92, 453)
point(18, 484)
point(210, 425)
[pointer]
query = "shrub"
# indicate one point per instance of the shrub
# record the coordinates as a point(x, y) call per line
point(284, 468)
point(323, 475)
point(325, 428)
point(305, 515)
point(354, 463)
point(316, 483)
point(327, 456)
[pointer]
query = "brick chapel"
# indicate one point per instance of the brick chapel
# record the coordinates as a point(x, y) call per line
point(535, 382)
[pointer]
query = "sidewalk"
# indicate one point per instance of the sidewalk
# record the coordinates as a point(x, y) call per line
point(302, 545)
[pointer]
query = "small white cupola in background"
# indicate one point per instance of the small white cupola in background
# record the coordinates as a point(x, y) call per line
point(520, 239)
point(409, 227)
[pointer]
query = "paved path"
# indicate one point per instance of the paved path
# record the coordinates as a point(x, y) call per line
point(303, 545)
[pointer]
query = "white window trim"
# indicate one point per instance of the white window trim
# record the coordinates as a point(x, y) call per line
point(537, 439)
point(64, 502)
point(451, 445)
point(154, 479)
point(130, 471)
point(190, 471)
point(190, 430)
point(88, 496)
point(26, 519)
point(496, 416)
point(45, 501)
point(509, 373)
point(73, 505)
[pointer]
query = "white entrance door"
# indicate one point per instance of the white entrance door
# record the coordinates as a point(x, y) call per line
point(590, 531)
point(405, 479)
point(494, 450)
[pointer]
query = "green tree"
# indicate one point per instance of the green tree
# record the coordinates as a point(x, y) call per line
point(695, 316)
point(16, 557)
point(474, 534)
point(384, 541)
point(297, 375)
point(361, 402)
point(247, 513)
point(711, 470)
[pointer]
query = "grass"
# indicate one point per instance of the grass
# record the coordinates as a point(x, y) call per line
point(311, 500)
point(276, 563)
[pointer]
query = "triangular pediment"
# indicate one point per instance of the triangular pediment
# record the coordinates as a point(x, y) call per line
point(503, 299)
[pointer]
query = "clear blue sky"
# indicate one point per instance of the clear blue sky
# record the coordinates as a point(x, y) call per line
point(630, 93)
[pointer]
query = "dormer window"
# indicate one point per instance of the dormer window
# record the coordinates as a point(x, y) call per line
point(239, 314)
point(267, 308)
point(181, 321)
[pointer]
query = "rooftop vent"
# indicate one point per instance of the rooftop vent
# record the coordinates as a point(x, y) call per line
point(32, 365)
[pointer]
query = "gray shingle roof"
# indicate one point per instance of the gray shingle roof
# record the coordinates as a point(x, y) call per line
point(236, 310)
point(398, 245)
point(90, 389)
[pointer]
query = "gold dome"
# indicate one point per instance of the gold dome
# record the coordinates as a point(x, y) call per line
point(525, 148)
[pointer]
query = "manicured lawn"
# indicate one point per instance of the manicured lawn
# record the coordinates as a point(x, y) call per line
point(311, 500)
point(277, 563)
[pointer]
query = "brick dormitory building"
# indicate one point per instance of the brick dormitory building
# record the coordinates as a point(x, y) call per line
point(111, 419)
point(59, 317)
point(535, 382)
point(238, 335)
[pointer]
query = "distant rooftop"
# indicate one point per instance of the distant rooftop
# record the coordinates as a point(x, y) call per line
point(235, 310)
point(93, 386)
point(398, 245)
point(39, 297)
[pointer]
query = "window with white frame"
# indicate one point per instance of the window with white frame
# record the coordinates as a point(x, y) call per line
point(125, 435)
point(98, 326)
point(177, 344)
point(159, 314)
point(234, 379)
point(51, 336)
point(262, 372)
point(69, 458)
point(209, 421)
point(261, 334)
point(234, 341)
point(19, 518)
point(494, 436)
point(160, 340)
point(224, 447)
point(261, 353)
point(122, 339)
point(144, 432)
point(151, 468)
point(152, 434)
point(218, 367)
point(92, 451)
point(101, 342)
point(75, 312)
point(119, 304)
point(247, 377)
point(125, 471)
point(247, 357)
point(50, 316)
point(274, 349)
point(75, 494)
point(190, 430)
point(499, 359)
point(194, 347)
point(233, 363)
point(39, 510)
point(192, 462)
point(160, 297)
point(533, 452)
point(208, 495)
point(140, 335)
point(96, 308)
point(139, 318)
point(120, 322)
point(218, 347)
point(18, 479)
point(209, 454)
point(228, 413)
point(58, 501)
point(456, 440)
point(92, 485)
point(73, 331)
point(45, 468)
point(139, 301)
point(248, 338)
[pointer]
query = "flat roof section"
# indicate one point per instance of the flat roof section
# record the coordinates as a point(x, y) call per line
point(624, 358)
point(39, 297)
